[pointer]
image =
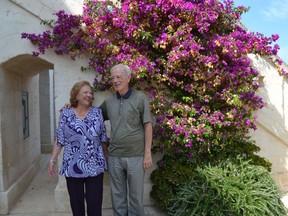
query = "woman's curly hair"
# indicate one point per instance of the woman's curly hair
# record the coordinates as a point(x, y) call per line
point(75, 90)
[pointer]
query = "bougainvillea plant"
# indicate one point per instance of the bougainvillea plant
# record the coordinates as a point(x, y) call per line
point(190, 56)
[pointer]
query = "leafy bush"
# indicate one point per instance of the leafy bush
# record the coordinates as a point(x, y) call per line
point(231, 188)
point(174, 170)
point(168, 178)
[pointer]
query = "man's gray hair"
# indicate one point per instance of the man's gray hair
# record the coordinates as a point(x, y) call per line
point(123, 67)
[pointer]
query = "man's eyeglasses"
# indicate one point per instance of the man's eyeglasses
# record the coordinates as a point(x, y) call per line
point(116, 78)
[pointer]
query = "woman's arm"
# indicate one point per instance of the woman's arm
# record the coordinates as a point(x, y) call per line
point(52, 166)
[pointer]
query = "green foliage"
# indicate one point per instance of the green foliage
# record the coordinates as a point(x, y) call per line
point(167, 179)
point(233, 187)
point(174, 169)
point(47, 22)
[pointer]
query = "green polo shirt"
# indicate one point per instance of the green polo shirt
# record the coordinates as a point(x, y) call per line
point(127, 116)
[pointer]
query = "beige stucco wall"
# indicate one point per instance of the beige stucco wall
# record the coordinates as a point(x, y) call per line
point(272, 132)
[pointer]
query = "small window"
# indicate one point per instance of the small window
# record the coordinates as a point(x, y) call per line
point(25, 111)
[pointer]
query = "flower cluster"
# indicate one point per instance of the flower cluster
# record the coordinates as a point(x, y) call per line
point(191, 55)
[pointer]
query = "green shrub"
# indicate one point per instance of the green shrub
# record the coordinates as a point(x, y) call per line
point(168, 179)
point(235, 188)
point(174, 170)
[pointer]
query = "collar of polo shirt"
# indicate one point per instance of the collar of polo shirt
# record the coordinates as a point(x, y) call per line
point(126, 96)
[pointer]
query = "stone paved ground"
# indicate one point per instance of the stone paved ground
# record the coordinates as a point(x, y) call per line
point(38, 200)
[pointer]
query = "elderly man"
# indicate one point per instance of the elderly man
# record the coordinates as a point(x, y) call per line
point(130, 143)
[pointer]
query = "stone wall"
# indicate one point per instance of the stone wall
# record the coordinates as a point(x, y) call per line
point(272, 120)
point(18, 154)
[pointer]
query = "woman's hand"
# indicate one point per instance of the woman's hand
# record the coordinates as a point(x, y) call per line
point(52, 168)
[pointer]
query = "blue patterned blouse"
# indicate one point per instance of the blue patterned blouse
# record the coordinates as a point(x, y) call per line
point(83, 153)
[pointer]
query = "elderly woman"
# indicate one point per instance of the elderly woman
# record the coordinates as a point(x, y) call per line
point(82, 133)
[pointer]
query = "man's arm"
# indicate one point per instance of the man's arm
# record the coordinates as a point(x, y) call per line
point(105, 148)
point(147, 162)
point(104, 110)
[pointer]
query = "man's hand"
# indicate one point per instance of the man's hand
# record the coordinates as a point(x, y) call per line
point(66, 106)
point(147, 162)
